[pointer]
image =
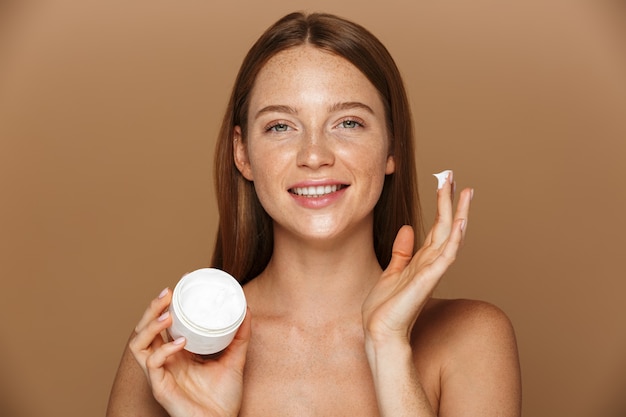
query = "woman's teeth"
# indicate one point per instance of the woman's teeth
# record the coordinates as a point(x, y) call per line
point(315, 191)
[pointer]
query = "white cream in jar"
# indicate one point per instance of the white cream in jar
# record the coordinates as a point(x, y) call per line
point(208, 306)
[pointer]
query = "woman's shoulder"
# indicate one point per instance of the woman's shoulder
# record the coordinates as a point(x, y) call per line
point(457, 326)
point(467, 348)
point(464, 312)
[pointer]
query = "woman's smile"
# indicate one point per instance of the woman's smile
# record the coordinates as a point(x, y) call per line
point(314, 191)
point(317, 196)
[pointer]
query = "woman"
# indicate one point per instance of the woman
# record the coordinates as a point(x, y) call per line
point(318, 204)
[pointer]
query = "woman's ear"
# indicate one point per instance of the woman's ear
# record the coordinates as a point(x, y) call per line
point(240, 154)
point(390, 168)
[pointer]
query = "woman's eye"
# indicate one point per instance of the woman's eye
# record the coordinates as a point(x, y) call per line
point(349, 124)
point(278, 127)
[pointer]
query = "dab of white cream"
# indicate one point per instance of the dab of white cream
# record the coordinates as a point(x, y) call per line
point(442, 177)
point(211, 304)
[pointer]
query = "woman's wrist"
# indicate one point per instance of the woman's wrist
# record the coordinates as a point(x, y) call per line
point(386, 352)
point(398, 389)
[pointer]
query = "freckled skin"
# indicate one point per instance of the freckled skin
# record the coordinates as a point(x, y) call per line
point(311, 84)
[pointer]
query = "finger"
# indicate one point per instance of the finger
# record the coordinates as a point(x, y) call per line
point(155, 309)
point(449, 253)
point(443, 220)
point(465, 199)
point(461, 218)
point(149, 337)
point(156, 361)
point(235, 354)
point(402, 250)
point(462, 211)
point(143, 337)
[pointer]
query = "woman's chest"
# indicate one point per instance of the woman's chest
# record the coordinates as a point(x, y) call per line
point(305, 391)
point(307, 372)
point(293, 371)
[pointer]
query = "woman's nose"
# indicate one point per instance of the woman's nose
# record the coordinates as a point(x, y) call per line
point(315, 151)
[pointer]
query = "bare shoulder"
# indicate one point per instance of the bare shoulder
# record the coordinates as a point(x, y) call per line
point(472, 350)
point(466, 319)
point(466, 330)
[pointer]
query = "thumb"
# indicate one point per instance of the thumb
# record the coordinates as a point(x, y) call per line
point(238, 348)
point(402, 250)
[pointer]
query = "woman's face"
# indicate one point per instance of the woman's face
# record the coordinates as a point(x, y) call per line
point(317, 145)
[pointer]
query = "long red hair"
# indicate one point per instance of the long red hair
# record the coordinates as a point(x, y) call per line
point(244, 241)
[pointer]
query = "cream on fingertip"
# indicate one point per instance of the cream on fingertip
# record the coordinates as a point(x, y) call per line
point(442, 177)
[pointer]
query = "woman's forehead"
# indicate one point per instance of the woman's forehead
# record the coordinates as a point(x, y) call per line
point(308, 74)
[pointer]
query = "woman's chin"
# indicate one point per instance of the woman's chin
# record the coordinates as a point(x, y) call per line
point(323, 231)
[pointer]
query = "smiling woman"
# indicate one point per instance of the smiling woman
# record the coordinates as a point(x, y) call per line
point(317, 195)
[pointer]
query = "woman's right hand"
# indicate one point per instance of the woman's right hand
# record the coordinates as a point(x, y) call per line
point(183, 384)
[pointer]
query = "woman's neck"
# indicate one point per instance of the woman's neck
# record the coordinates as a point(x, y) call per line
point(308, 279)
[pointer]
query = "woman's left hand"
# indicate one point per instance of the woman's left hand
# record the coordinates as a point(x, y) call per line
point(395, 302)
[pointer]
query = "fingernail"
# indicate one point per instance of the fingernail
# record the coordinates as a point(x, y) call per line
point(442, 177)
point(163, 293)
point(463, 224)
point(164, 316)
point(179, 341)
point(471, 194)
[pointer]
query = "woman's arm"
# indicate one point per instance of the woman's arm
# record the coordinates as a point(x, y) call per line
point(131, 395)
point(398, 389)
point(479, 372)
point(395, 302)
point(481, 376)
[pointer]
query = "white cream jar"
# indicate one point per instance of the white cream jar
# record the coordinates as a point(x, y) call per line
point(208, 306)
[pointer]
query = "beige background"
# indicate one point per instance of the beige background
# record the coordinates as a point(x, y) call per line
point(108, 113)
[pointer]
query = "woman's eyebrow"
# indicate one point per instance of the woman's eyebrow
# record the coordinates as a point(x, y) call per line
point(350, 105)
point(276, 108)
point(281, 108)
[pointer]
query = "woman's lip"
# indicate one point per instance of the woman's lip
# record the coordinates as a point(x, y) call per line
point(319, 187)
point(316, 183)
point(315, 200)
point(316, 191)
